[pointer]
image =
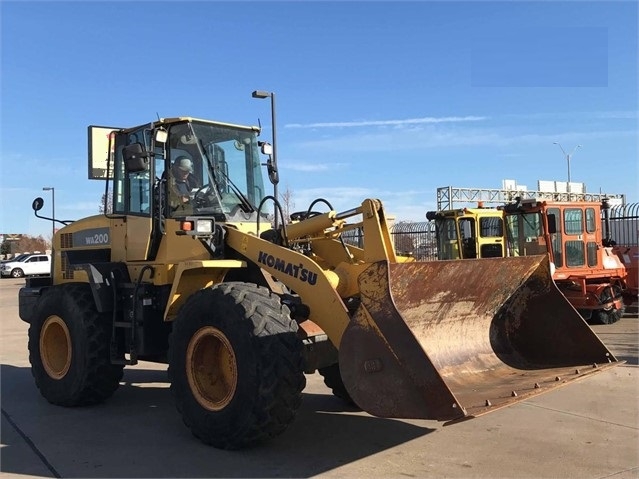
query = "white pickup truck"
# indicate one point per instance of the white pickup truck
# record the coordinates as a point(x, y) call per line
point(35, 264)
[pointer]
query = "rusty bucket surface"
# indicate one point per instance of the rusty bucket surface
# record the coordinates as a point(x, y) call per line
point(449, 340)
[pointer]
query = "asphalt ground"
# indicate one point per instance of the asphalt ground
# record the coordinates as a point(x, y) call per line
point(587, 429)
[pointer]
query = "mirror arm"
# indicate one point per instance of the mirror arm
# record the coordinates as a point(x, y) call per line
point(64, 222)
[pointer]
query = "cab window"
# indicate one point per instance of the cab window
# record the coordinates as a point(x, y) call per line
point(131, 190)
point(573, 221)
point(591, 222)
point(491, 227)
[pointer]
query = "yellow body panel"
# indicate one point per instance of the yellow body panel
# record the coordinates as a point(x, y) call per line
point(138, 237)
point(302, 275)
point(181, 261)
point(192, 276)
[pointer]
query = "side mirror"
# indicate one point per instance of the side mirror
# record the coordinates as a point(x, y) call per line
point(271, 165)
point(266, 148)
point(273, 175)
point(135, 158)
point(161, 136)
point(552, 223)
point(37, 204)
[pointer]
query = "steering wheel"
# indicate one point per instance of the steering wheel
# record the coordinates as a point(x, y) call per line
point(200, 196)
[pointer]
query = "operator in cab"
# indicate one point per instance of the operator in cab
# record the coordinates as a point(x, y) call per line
point(181, 182)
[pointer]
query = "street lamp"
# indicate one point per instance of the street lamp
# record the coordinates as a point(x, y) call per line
point(52, 190)
point(567, 159)
point(267, 94)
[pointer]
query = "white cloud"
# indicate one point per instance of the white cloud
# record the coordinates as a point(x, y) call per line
point(619, 115)
point(409, 121)
point(582, 115)
point(392, 141)
point(312, 167)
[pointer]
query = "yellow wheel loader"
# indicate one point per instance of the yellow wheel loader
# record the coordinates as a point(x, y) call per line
point(241, 310)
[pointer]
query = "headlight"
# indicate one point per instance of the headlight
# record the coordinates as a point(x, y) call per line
point(204, 226)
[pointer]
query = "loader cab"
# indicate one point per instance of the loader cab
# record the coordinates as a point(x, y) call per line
point(569, 232)
point(525, 234)
point(225, 186)
point(225, 178)
point(469, 233)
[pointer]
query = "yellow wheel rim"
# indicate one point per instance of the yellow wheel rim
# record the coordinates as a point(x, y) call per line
point(55, 347)
point(211, 368)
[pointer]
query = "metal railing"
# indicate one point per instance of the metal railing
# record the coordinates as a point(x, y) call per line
point(418, 238)
point(624, 224)
point(449, 197)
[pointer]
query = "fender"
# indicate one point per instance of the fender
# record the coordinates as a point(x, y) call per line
point(191, 276)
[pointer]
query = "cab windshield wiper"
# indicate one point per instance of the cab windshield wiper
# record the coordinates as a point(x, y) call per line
point(248, 207)
point(245, 203)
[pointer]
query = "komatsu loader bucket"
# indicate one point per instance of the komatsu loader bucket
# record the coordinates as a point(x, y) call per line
point(451, 340)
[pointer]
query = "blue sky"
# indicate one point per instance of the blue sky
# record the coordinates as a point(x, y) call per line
point(386, 100)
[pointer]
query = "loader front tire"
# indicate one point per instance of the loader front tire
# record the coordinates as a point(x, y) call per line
point(69, 348)
point(235, 365)
point(333, 380)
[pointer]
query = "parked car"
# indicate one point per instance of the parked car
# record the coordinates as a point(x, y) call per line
point(34, 264)
point(20, 257)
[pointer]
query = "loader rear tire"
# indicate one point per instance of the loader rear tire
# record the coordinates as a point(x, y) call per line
point(69, 348)
point(333, 380)
point(235, 365)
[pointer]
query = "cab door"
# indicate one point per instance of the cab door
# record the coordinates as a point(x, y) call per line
point(139, 222)
point(133, 195)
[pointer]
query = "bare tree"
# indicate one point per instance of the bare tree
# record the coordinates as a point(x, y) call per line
point(25, 244)
point(286, 200)
point(109, 203)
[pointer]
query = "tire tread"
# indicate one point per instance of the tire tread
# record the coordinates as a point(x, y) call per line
point(97, 379)
point(280, 365)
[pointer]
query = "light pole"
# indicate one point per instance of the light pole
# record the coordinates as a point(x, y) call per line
point(269, 94)
point(567, 160)
point(52, 190)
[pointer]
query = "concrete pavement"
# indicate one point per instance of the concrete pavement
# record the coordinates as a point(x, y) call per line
point(588, 429)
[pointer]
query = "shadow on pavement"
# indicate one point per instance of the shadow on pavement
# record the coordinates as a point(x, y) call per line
point(621, 338)
point(138, 433)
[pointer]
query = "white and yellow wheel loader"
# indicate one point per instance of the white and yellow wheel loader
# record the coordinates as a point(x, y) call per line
point(240, 310)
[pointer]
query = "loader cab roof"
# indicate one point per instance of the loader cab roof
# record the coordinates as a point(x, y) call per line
point(180, 119)
point(463, 212)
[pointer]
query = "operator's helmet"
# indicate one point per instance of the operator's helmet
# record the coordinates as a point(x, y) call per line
point(183, 163)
